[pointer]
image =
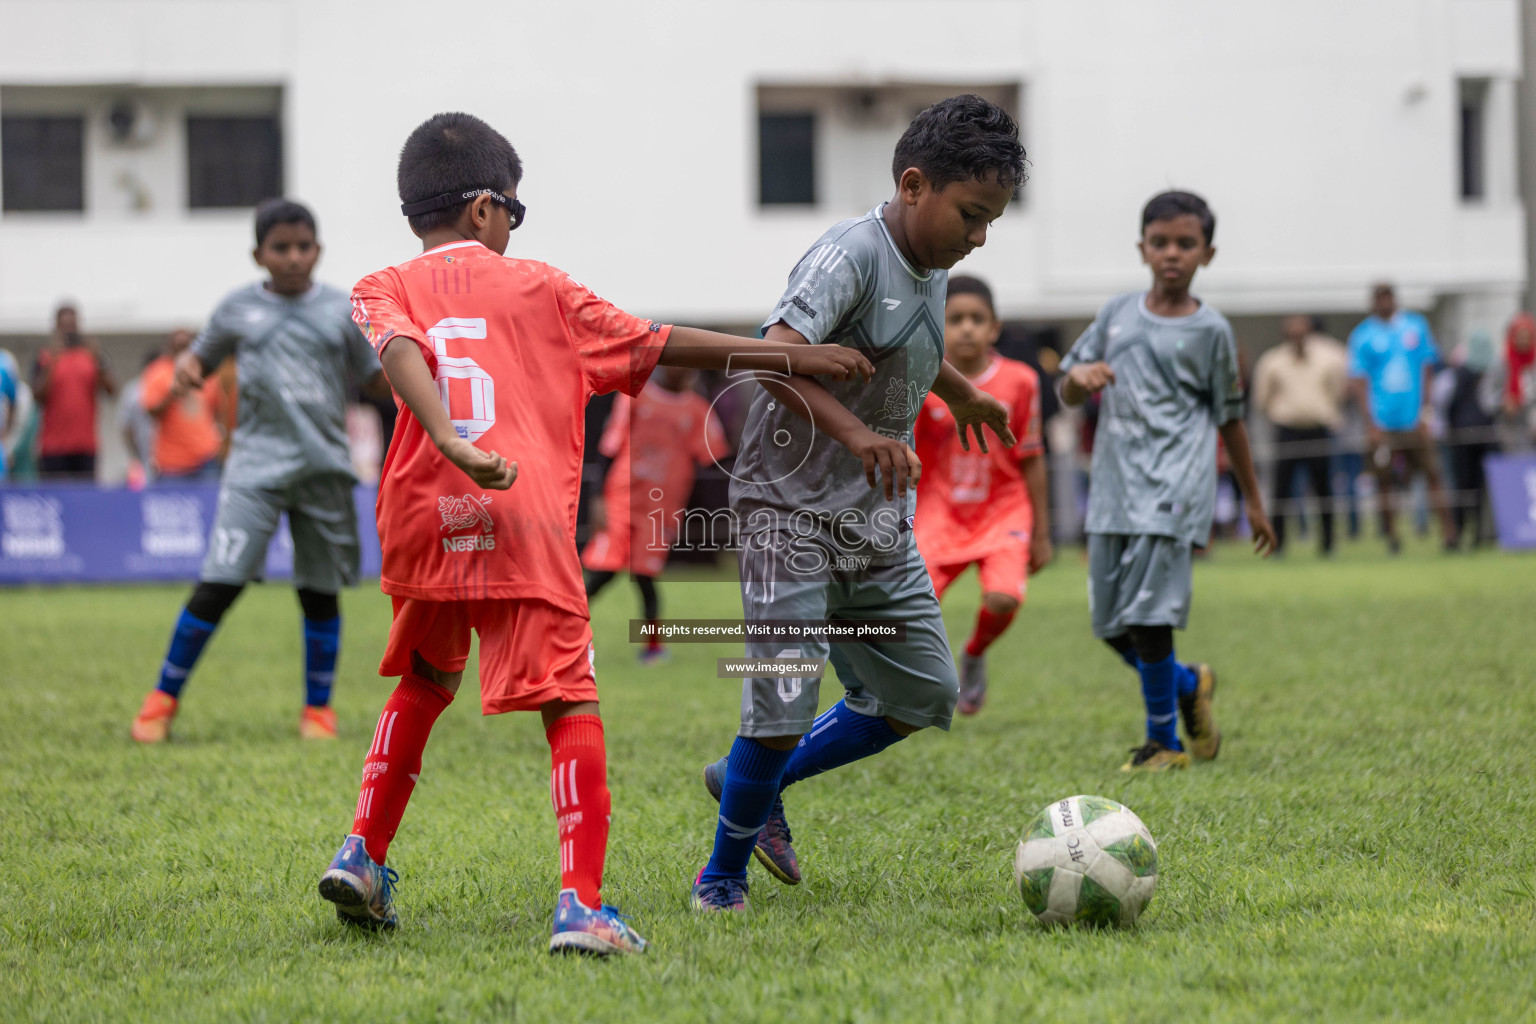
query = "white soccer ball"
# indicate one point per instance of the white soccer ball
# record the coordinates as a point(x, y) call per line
point(1086, 860)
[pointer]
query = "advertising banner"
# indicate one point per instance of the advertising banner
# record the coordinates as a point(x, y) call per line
point(1512, 485)
point(82, 534)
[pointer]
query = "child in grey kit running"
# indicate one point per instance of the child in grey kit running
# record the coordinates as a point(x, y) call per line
point(1166, 363)
point(819, 540)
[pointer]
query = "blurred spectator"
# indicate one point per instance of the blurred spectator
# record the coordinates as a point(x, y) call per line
point(1300, 387)
point(9, 380)
point(1391, 356)
point(1510, 385)
point(1468, 431)
point(187, 440)
point(138, 429)
point(69, 373)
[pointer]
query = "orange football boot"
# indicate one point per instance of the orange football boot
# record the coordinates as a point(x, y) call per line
point(153, 722)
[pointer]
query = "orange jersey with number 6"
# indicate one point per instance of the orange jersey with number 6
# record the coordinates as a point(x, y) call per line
point(517, 348)
point(971, 502)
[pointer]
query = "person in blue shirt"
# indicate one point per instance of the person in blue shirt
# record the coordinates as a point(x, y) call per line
point(8, 379)
point(1391, 356)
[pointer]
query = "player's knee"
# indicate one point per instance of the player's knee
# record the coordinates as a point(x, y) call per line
point(209, 601)
point(779, 743)
point(1152, 643)
point(999, 603)
point(901, 728)
point(430, 672)
point(318, 607)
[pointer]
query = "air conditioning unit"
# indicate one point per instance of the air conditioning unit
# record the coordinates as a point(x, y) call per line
point(130, 122)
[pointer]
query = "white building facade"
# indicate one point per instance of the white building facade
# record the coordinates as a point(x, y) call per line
point(1339, 143)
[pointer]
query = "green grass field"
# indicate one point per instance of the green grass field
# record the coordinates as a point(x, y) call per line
point(1364, 849)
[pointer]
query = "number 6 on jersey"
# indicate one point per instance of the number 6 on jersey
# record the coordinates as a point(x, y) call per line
point(481, 388)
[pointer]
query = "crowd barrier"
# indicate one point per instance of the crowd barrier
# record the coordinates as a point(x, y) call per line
point(84, 534)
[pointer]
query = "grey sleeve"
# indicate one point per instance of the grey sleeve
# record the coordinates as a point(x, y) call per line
point(218, 338)
point(1089, 347)
point(826, 283)
point(1226, 381)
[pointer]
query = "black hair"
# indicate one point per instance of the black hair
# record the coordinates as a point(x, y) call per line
point(962, 138)
point(272, 212)
point(1168, 205)
point(453, 152)
point(964, 285)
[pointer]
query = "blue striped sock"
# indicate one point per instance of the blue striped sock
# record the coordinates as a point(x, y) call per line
point(838, 737)
point(187, 642)
point(751, 787)
point(1186, 677)
point(1159, 689)
point(322, 640)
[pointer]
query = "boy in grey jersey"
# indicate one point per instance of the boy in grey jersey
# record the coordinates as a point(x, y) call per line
point(819, 540)
point(298, 357)
point(1167, 365)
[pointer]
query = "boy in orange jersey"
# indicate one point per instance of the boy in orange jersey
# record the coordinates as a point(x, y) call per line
point(501, 354)
point(654, 442)
point(990, 509)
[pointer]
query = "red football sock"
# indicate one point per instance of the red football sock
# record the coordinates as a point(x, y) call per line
point(989, 626)
point(394, 760)
point(578, 788)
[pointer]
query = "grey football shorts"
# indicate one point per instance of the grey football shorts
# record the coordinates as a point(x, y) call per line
point(1137, 580)
point(913, 681)
point(321, 518)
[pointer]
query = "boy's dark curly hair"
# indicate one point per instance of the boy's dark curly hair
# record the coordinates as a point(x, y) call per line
point(962, 139)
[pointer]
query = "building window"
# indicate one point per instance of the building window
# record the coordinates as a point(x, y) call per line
point(43, 161)
point(233, 161)
point(1473, 130)
point(786, 147)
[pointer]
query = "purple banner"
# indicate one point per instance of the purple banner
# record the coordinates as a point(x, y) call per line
point(1512, 484)
point(67, 534)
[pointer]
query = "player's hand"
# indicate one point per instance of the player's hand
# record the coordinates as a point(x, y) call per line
point(1041, 552)
point(487, 469)
point(833, 361)
point(1091, 377)
point(597, 514)
point(1263, 533)
point(981, 409)
point(189, 374)
point(887, 459)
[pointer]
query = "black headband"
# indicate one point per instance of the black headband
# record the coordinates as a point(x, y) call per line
point(448, 199)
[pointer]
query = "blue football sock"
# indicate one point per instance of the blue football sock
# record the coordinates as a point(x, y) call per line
point(1186, 677)
point(751, 787)
point(1129, 657)
point(1159, 688)
point(187, 641)
point(838, 737)
point(322, 639)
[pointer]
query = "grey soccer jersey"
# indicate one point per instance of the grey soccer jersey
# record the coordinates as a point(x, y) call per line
point(852, 288)
point(298, 360)
point(1154, 455)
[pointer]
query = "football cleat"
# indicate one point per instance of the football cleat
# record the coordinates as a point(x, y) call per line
point(657, 655)
point(153, 722)
point(1199, 720)
point(1152, 756)
point(362, 890)
point(317, 723)
point(729, 895)
point(973, 683)
point(579, 929)
point(774, 849)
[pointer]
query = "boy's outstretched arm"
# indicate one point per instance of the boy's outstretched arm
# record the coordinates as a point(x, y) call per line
point(1083, 380)
point(1235, 436)
point(408, 374)
point(972, 408)
point(707, 350)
